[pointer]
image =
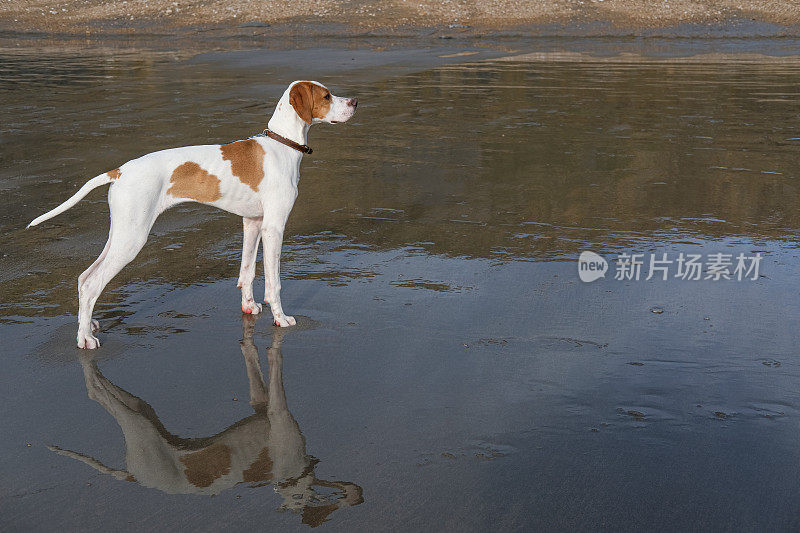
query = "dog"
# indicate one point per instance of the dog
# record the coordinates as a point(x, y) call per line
point(255, 178)
point(266, 448)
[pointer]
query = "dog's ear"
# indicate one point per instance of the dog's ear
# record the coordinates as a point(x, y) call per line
point(302, 100)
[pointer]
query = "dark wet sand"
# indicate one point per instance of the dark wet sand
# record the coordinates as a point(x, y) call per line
point(449, 367)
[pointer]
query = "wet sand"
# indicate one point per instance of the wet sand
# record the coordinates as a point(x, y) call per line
point(449, 369)
point(401, 17)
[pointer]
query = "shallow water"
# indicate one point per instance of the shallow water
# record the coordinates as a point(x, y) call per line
point(449, 370)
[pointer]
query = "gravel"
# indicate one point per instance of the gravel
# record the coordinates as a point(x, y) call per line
point(92, 16)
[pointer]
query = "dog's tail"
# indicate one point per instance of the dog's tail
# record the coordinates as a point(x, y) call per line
point(93, 183)
point(94, 463)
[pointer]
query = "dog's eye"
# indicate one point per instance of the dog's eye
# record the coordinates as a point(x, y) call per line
point(328, 96)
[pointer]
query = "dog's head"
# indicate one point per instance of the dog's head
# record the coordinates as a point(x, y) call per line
point(313, 102)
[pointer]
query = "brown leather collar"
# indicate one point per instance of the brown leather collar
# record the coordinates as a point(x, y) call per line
point(288, 142)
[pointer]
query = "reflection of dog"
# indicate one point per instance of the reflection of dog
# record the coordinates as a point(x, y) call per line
point(264, 448)
point(255, 178)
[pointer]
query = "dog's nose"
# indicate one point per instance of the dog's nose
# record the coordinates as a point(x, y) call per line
point(353, 102)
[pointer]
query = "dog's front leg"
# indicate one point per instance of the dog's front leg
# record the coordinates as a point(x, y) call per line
point(252, 236)
point(258, 388)
point(272, 238)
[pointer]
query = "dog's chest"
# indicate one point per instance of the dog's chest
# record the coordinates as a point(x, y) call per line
point(253, 174)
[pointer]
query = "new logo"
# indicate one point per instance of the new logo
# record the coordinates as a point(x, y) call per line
point(591, 266)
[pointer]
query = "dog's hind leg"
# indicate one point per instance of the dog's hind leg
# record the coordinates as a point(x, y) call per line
point(128, 234)
point(97, 261)
point(123, 248)
point(82, 278)
point(252, 238)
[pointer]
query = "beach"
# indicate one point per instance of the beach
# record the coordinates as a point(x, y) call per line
point(355, 17)
point(450, 369)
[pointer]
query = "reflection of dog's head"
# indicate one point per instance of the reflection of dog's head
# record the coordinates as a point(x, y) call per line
point(300, 496)
point(254, 450)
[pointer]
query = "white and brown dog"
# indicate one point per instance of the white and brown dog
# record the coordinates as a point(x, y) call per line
point(255, 178)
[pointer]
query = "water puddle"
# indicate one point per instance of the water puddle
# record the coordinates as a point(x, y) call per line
point(449, 366)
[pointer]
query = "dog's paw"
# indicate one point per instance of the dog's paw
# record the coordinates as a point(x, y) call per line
point(88, 342)
point(285, 321)
point(95, 326)
point(250, 307)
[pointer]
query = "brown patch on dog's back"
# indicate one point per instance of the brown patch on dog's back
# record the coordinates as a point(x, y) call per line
point(191, 181)
point(207, 465)
point(114, 174)
point(261, 469)
point(247, 161)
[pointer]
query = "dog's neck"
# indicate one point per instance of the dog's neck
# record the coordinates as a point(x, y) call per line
point(286, 122)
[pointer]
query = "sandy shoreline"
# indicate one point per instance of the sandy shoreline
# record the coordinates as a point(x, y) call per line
point(354, 17)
